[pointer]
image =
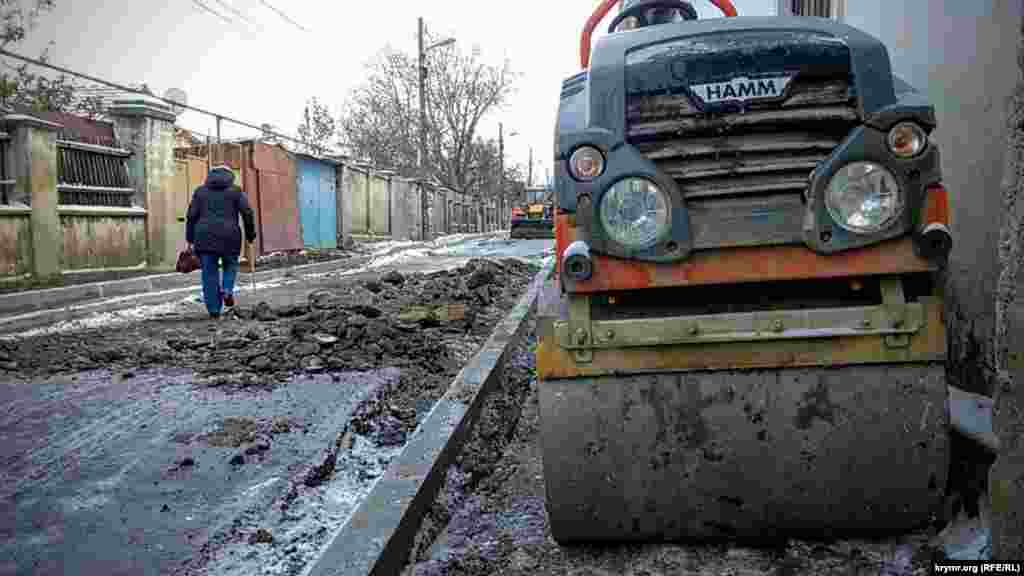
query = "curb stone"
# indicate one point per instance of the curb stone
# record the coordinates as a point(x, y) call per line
point(378, 535)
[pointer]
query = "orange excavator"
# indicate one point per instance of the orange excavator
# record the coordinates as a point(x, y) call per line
point(744, 336)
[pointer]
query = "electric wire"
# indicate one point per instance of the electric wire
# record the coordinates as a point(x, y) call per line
point(123, 88)
point(202, 6)
point(233, 10)
point(283, 15)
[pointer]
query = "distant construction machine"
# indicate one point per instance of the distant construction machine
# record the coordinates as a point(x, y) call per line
point(534, 216)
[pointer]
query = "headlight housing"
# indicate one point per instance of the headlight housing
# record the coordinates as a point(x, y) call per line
point(635, 213)
point(906, 140)
point(864, 197)
point(586, 163)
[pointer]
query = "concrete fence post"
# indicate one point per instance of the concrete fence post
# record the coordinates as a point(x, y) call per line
point(146, 127)
point(34, 168)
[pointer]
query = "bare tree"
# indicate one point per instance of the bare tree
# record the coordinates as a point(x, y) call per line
point(380, 120)
point(318, 131)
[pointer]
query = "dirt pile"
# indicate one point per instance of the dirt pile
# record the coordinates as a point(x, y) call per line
point(432, 321)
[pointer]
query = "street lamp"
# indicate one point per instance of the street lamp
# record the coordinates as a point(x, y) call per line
point(421, 161)
point(423, 92)
point(501, 167)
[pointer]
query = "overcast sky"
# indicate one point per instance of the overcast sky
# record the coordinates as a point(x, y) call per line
point(264, 70)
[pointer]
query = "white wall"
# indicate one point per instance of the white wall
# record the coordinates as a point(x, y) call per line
point(963, 55)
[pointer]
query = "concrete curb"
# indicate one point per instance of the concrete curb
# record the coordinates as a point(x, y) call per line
point(379, 534)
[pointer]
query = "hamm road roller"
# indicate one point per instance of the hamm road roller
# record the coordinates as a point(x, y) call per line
point(744, 336)
point(534, 218)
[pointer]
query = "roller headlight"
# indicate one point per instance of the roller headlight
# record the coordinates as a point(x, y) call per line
point(586, 163)
point(863, 197)
point(907, 140)
point(635, 212)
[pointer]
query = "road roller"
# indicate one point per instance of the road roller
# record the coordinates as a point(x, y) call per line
point(743, 337)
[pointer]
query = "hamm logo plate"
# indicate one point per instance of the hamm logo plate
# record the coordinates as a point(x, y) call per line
point(741, 89)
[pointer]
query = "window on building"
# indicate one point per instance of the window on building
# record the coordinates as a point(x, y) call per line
point(819, 8)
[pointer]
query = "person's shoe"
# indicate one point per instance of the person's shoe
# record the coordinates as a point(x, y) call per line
point(229, 300)
point(214, 315)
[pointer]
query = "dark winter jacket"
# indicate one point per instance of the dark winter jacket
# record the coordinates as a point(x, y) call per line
point(212, 223)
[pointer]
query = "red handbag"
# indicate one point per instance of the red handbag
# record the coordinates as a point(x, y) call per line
point(187, 262)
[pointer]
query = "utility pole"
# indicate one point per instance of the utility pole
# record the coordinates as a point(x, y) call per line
point(501, 168)
point(308, 147)
point(423, 102)
point(529, 177)
point(421, 157)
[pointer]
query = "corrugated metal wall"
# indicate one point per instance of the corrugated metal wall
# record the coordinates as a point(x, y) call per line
point(318, 204)
point(273, 170)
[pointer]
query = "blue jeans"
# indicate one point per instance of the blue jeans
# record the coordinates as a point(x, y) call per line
point(213, 289)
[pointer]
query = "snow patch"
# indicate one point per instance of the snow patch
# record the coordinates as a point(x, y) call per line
point(312, 520)
point(191, 303)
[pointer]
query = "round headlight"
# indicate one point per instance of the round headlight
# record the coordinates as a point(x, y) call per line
point(907, 139)
point(863, 197)
point(635, 212)
point(586, 163)
point(628, 23)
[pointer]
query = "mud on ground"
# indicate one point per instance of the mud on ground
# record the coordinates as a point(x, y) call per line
point(490, 518)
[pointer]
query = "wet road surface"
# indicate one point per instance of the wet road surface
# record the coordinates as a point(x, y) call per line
point(105, 474)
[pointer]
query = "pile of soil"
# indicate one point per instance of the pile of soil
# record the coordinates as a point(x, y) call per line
point(355, 325)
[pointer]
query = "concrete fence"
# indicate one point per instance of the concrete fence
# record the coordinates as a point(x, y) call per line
point(72, 205)
point(378, 204)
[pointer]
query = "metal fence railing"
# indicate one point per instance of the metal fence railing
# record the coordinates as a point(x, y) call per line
point(6, 181)
point(93, 175)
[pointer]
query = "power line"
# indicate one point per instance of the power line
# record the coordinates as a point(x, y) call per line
point(212, 11)
point(61, 69)
point(284, 16)
point(233, 10)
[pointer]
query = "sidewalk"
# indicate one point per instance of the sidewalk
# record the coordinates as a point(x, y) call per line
point(16, 306)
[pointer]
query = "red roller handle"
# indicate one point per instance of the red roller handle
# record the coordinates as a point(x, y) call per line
point(606, 5)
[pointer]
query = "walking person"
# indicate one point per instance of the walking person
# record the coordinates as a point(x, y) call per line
point(212, 232)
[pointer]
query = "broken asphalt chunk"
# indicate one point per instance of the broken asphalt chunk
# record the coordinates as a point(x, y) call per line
point(261, 536)
point(394, 277)
point(265, 313)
